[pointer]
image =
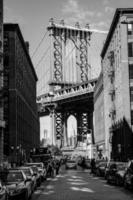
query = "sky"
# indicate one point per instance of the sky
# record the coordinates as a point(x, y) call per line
point(33, 18)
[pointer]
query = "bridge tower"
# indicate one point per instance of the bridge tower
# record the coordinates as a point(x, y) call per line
point(61, 36)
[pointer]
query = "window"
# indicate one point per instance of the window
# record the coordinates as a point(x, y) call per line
point(131, 117)
point(130, 29)
point(131, 71)
point(131, 95)
point(130, 49)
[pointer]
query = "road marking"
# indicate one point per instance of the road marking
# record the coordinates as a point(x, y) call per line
point(82, 189)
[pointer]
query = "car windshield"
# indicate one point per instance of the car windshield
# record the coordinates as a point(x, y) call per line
point(102, 164)
point(121, 166)
point(12, 176)
point(40, 165)
point(34, 168)
point(27, 172)
point(70, 161)
point(88, 161)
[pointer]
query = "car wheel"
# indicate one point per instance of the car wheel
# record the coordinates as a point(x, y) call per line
point(98, 172)
point(117, 181)
point(7, 197)
point(26, 196)
point(125, 184)
point(108, 181)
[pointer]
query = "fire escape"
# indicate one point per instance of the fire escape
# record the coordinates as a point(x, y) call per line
point(111, 75)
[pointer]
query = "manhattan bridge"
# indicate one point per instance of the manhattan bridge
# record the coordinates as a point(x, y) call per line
point(67, 84)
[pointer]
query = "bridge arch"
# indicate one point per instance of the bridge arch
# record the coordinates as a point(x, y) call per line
point(71, 130)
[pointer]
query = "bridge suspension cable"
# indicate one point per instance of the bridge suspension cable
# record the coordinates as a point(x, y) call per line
point(38, 46)
point(43, 56)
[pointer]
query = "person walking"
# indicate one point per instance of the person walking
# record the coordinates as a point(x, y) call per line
point(93, 166)
point(50, 169)
point(57, 166)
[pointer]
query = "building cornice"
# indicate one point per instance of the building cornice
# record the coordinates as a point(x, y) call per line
point(119, 11)
point(15, 27)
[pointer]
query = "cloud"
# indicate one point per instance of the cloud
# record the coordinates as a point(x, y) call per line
point(71, 7)
point(103, 25)
point(75, 12)
point(109, 9)
point(106, 2)
point(99, 14)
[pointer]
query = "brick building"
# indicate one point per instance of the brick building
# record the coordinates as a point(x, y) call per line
point(117, 69)
point(20, 111)
point(2, 123)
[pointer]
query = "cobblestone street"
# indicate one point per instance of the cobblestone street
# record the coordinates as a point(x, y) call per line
point(77, 185)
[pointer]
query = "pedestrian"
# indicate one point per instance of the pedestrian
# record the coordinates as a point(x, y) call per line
point(50, 169)
point(93, 166)
point(57, 166)
point(83, 162)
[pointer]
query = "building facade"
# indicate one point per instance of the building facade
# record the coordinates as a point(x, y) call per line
point(20, 111)
point(117, 69)
point(2, 123)
point(99, 131)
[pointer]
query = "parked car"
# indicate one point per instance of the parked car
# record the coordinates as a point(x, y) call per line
point(100, 170)
point(107, 167)
point(18, 185)
point(41, 169)
point(36, 174)
point(128, 178)
point(71, 164)
point(87, 163)
point(113, 169)
point(30, 175)
point(3, 191)
point(94, 165)
point(120, 175)
point(79, 160)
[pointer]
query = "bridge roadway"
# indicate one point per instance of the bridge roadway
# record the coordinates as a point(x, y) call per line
point(79, 185)
point(76, 98)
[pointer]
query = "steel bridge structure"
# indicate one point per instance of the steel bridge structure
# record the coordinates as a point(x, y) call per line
point(70, 91)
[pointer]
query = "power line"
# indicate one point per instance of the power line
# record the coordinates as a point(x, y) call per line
point(43, 56)
point(39, 44)
point(39, 68)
